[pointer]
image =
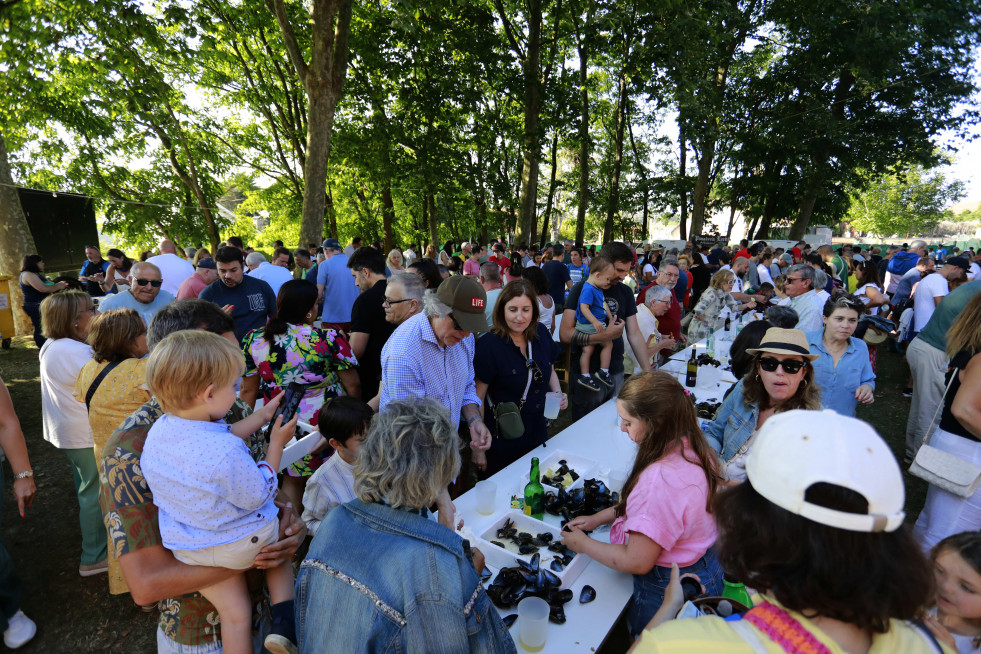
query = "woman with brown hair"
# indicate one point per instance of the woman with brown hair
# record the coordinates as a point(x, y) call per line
point(868, 288)
point(514, 363)
point(663, 517)
point(112, 387)
point(959, 431)
point(781, 379)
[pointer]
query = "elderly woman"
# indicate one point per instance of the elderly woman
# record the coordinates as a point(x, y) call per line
point(290, 349)
point(410, 584)
point(656, 303)
point(780, 379)
point(717, 296)
point(35, 287)
point(818, 531)
point(394, 263)
point(112, 387)
point(513, 363)
point(66, 317)
point(842, 369)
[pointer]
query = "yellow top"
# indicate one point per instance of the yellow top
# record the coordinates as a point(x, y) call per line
point(121, 393)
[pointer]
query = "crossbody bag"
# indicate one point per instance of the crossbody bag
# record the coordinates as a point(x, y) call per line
point(507, 415)
point(94, 386)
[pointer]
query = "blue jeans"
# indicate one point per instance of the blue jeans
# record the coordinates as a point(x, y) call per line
point(649, 589)
point(33, 311)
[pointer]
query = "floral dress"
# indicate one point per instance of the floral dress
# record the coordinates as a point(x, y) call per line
point(306, 355)
point(709, 307)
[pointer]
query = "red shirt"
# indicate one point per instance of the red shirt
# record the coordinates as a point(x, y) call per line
point(670, 323)
point(742, 253)
point(191, 287)
point(798, 255)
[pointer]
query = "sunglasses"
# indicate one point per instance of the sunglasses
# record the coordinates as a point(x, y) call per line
point(788, 280)
point(155, 283)
point(456, 325)
point(536, 372)
point(791, 367)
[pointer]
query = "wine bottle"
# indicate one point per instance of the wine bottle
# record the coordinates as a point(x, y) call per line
point(534, 493)
point(691, 377)
point(728, 323)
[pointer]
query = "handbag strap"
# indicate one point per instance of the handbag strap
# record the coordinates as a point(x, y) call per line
point(95, 384)
point(940, 406)
point(524, 396)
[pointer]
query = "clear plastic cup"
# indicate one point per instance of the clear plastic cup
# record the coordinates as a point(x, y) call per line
point(532, 623)
point(552, 403)
point(486, 497)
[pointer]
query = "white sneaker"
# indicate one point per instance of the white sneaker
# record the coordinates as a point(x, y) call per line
point(20, 630)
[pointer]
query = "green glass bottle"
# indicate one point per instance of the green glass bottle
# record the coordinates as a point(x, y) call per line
point(534, 493)
point(736, 590)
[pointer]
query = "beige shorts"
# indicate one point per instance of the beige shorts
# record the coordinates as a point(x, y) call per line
point(237, 555)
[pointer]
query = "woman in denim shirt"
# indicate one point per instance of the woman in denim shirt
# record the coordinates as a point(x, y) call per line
point(767, 388)
point(380, 576)
point(842, 368)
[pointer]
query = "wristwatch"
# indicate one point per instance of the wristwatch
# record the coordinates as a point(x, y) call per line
point(24, 475)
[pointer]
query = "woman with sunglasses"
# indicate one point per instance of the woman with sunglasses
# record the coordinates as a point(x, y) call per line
point(842, 368)
point(513, 363)
point(781, 379)
point(717, 296)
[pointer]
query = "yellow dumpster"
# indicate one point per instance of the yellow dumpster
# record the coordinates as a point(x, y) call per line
point(6, 312)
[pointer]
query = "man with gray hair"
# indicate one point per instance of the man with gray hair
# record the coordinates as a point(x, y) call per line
point(902, 262)
point(403, 297)
point(144, 294)
point(431, 354)
point(782, 317)
point(273, 275)
point(799, 287)
point(657, 301)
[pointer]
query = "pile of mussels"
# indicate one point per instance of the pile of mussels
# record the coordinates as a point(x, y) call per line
point(531, 580)
point(593, 497)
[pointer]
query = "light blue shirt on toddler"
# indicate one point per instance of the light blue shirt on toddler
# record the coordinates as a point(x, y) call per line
point(208, 489)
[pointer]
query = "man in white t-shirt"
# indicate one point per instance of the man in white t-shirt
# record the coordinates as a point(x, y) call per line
point(173, 269)
point(933, 288)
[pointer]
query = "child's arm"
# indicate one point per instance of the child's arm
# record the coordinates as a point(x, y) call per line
point(591, 318)
point(254, 421)
point(281, 435)
point(637, 557)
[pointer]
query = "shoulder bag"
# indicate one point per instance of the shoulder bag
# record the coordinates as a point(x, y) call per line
point(507, 415)
point(943, 469)
point(94, 386)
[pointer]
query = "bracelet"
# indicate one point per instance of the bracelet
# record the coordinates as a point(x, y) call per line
point(472, 419)
point(24, 475)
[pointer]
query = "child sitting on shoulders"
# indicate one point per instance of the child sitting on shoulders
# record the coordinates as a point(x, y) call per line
point(591, 319)
point(215, 503)
point(344, 422)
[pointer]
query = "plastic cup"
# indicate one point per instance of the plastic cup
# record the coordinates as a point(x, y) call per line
point(486, 497)
point(532, 623)
point(552, 403)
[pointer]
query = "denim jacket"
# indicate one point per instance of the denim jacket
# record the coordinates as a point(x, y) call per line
point(378, 579)
point(733, 424)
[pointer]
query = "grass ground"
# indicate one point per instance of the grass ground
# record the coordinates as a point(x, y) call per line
point(76, 615)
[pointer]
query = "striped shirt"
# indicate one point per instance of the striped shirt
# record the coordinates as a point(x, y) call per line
point(414, 364)
point(330, 486)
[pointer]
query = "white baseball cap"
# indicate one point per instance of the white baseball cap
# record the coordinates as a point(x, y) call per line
point(799, 448)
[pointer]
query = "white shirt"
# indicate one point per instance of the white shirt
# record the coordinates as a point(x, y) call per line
point(808, 312)
point(275, 276)
point(545, 314)
point(409, 256)
point(860, 293)
point(648, 268)
point(65, 419)
point(974, 272)
point(330, 486)
point(764, 272)
point(932, 286)
point(173, 271)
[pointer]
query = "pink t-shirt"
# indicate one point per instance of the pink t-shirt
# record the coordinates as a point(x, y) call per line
point(471, 267)
point(667, 505)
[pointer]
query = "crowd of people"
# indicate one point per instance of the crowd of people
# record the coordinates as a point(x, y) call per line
point(424, 373)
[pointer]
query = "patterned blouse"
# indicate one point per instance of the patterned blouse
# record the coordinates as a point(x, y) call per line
point(306, 355)
point(709, 307)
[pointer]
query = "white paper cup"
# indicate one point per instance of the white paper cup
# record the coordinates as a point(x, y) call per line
point(552, 403)
point(486, 497)
point(532, 623)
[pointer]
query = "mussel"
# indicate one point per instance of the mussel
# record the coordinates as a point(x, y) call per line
point(508, 620)
point(587, 594)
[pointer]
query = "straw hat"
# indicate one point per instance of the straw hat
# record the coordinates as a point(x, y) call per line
point(784, 341)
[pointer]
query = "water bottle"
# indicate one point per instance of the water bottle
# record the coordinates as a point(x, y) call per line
point(736, 590)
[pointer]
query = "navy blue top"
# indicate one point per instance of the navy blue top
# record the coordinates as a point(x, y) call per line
point(253, 302)
point(557, 274)
point(31, 294)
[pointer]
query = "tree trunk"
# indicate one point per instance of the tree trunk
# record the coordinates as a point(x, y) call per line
point(642, 169)
point(527, 215)
point(323, 81)
point(388, 214)
point(331, 215)
point(551, 191)
point(683, 177)
point(583, 136)
point(770, 206)
point(15, 241)
point(614, 208)
point(431, 213)
point(702, 185)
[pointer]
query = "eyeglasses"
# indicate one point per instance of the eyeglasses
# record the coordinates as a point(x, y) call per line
point(670, 275)
point(536, 372)
point(790, 366)
point(155, 283)
point(388, 303)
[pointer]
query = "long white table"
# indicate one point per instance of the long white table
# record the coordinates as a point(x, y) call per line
point(596, 436)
